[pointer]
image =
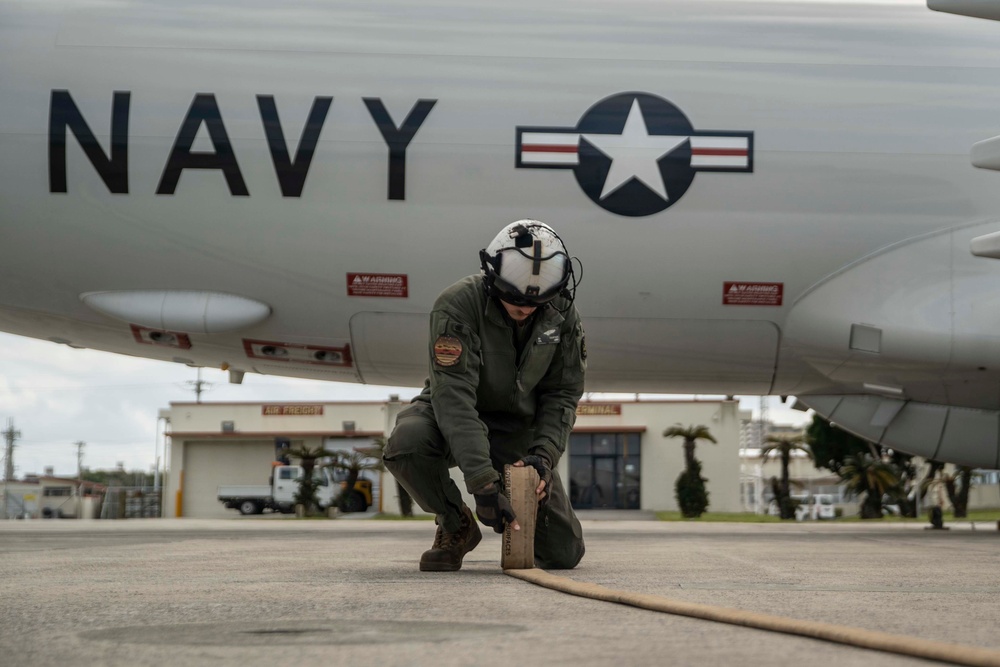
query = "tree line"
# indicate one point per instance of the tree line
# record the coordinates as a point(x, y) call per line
point(875, 474)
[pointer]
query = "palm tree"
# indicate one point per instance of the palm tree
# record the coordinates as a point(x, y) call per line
point(692, 497)
point(353, 463)
point(783, 446)
point(690, 434)
point(956, 485)
point(308, 456)
point(865, 474)
point(907, 495)
point(831, 445)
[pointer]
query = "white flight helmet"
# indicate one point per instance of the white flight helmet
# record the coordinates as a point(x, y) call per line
point(526, 264)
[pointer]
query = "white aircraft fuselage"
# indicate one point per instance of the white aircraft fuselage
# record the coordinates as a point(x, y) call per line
point(766, 197)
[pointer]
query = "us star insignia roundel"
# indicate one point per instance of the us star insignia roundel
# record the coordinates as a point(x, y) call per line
point(634, 154)
point(447, 351)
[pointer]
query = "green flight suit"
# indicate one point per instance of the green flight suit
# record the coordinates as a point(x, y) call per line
point(494, 395)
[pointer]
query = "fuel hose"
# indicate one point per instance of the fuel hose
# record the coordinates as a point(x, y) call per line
point(877, 641)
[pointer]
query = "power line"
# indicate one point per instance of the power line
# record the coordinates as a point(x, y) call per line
point(15, 389)
point(58, 442)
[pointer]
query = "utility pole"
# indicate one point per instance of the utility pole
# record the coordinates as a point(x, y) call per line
point(198, 384)
point(79, 444)
point(764, 426)
point(11, 436)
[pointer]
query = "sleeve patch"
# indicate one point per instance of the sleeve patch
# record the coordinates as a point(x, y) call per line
point(447, 351)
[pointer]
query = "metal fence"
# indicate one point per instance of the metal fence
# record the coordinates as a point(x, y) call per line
point(14, 505)
point(131, 502)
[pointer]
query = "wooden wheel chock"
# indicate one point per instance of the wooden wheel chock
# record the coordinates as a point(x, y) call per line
point(519, 546)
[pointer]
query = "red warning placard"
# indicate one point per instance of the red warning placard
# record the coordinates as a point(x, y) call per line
point(752, 294)
point(377, 284)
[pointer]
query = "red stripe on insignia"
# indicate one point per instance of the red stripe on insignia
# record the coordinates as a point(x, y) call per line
point(719, 151)
point(548, 149)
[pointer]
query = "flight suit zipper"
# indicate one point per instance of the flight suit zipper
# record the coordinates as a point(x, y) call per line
point(525, 357)
point(524, 362)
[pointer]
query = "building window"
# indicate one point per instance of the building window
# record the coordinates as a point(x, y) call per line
point(51, 491)
point(604, 470)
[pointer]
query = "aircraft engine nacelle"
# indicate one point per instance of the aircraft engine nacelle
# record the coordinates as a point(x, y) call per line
point(914, 330)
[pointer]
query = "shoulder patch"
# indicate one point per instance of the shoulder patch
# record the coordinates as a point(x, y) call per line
point(447, 351)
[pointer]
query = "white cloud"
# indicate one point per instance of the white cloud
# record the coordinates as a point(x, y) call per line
point(57, 395)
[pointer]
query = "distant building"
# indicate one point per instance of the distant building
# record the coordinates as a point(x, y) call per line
point(45, 496)
point(617, 457)
point(750, 430)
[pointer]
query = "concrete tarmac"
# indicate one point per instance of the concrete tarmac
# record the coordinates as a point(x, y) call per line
point(253, 591)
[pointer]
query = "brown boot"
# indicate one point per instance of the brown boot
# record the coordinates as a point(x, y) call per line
point(449, 548)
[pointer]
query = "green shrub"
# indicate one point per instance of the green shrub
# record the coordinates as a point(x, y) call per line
point(692, 497)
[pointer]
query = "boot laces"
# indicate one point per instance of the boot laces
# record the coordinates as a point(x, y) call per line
point(449, 541)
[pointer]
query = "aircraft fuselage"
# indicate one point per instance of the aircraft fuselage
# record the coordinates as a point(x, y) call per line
point(767, 198)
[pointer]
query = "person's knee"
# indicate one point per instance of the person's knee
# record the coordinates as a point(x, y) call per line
point(407, 438)
point(399, 450)
point(413, 435)
point(394, 464)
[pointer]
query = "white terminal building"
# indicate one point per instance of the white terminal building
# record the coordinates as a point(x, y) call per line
point(617, 457)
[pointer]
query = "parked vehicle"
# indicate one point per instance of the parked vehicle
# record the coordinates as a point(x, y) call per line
point(280, 495)
point(815, 506)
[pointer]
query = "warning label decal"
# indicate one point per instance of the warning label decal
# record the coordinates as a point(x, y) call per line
point(752, 294)
point(377, 284)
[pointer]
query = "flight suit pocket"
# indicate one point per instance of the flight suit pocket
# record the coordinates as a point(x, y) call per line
point(537, 364)
point(569, 417)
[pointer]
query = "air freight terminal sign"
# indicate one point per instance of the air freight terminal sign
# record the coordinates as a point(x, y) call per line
point(292, 410)
point(598, 409)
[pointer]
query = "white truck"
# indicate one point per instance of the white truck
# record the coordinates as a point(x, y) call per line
point(280, 496)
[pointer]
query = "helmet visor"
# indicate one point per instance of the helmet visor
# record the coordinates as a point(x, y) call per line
point(530, 279)
point(512, 295)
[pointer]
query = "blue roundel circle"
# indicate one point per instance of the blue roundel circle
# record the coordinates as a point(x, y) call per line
point(613, 122)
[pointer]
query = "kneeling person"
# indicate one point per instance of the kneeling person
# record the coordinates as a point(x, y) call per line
point(507, 364)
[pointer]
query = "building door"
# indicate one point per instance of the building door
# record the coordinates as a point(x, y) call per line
point(604, 490)
point(604, 471)
point(211, 464)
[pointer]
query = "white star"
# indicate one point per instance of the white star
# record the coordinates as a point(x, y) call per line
point(634, 153)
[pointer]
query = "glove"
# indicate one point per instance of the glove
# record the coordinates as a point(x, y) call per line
point(544, 470)
point(493, 508)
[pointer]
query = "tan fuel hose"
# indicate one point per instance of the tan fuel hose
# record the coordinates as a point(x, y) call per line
point(842, 634)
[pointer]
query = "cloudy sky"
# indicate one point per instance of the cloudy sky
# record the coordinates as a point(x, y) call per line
point(57, 396)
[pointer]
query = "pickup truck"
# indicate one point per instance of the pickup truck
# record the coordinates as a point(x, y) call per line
point(280, 495)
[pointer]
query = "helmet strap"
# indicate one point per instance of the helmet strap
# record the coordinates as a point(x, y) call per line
point(536, 260)
point(491, 267)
